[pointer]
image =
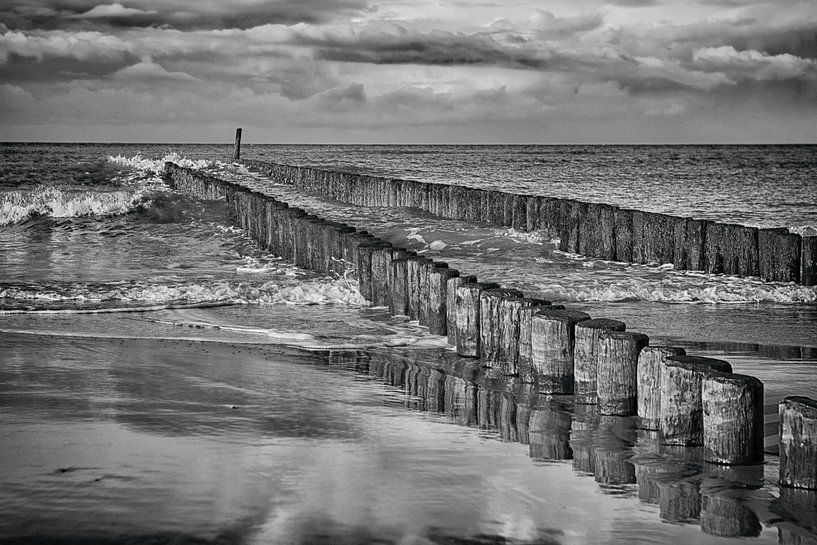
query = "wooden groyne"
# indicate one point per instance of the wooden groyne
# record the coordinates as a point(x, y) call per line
point(693, 401)
point(591, 229)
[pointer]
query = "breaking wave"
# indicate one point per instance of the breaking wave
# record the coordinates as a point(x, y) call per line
point(157, 166)
point(19, 206)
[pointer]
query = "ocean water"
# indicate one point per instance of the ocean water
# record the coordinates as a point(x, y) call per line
point(164, 380)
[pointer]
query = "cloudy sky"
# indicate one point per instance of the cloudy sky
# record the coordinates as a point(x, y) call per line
point(415, 71)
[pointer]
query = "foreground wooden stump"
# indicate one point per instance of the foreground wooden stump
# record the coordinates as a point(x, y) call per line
point(438, 299)
point(617, 355)
point(468, 319)
point(733, 419)
point(414, 280)
point(381, 289)
point(650, 362)
point(681, 404)
point(552, 340)
point(451, 305)
point(425, 294)
point(798, 442)
point(588, 333)
point(398, 280)
point(490, 320)
point(365, 258)
point(524, 360)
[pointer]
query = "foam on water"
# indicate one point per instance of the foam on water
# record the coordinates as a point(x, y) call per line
point(19, 206)
point(130, 297)
point(356, 336)
point(157, 166)
point(665, 285)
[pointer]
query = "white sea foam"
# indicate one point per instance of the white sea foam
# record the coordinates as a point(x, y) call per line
point(738, 291)
point(157, 166)
point(18, 206)
point(530, 237)
point(323, 291)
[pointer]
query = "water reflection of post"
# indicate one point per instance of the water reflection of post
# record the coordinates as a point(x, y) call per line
point(416, 386)
point(724, 494)
point(680, 499)
point(435, 391)
point(582, 431)
point(456, 391)
point(488, 406)
point(353, 360)
point(613, 450)
point(798, 508)
point(394, 371)
point(509, 424)
point(668, 477)
point(376, 368)
point(549, 428)
point(525, 398)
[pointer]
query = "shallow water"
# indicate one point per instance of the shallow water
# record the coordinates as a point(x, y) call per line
point(163, 380)
point(124, 440)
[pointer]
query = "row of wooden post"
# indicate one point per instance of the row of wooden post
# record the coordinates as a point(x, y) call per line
point(690, 400)
point(591, 229)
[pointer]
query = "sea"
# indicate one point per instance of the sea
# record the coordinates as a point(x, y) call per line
point(164, 380)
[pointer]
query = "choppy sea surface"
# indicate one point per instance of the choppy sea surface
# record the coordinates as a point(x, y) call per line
point(164, 380)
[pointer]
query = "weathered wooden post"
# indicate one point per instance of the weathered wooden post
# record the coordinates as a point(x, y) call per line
point(681, 404)
point(381, 264)
point(425, 296)
point(650, 362)
point(438, 278)
point(779, 255)
point(510, 317)
point(588, 333)
point(623, 219)
point(365, 256)
point(798, 442)
point(468, 319)
point(552, 335)
point(524, 361)
point(733, 419)
point(617, 357)
point(808, 261)
point(398, 274)
point(237, 147)
point(414, 280)
point(451, 305)
point(490, 327)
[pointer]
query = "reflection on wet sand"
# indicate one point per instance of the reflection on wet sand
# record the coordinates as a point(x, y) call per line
point(727, 501)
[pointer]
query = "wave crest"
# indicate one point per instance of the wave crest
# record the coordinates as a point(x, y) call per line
point(157, 166)
point(19, 206)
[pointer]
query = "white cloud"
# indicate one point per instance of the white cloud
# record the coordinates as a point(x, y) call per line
point(111, 10)
point(150, 71)
point(84, 46)
point(753, 64)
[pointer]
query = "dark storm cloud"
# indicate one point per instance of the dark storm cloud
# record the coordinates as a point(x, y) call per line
point(439, 48)
point(181, 14)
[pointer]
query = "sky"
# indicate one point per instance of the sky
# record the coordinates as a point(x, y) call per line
point(409, 71)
